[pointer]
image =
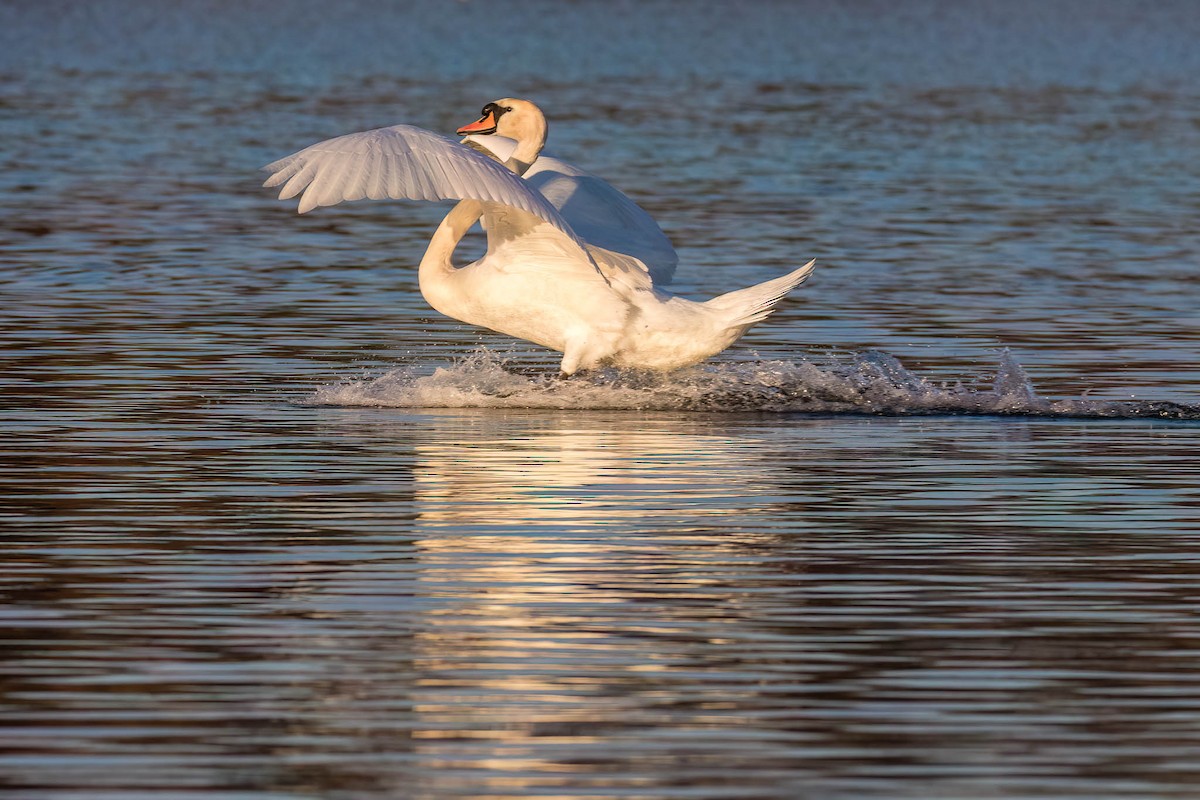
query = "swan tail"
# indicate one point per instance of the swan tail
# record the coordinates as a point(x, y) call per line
point(750, 306)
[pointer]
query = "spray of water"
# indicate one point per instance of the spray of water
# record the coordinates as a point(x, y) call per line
point(864, 383)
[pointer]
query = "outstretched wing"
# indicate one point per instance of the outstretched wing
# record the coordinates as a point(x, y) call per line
point(597, 211)
point(603, 216)
point(404, 163)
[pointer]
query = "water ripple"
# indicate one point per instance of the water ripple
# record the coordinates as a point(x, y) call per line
point(271, 528)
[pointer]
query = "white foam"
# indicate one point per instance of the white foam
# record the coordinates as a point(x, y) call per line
point(869, 382)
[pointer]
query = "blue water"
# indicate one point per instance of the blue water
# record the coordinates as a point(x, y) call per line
point(270, 527)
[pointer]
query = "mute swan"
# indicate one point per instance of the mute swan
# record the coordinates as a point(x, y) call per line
point(571, 264)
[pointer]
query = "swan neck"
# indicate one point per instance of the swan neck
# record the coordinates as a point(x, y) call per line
point(437, 262)
point(529, 146)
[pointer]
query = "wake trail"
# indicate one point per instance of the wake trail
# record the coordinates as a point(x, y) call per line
point(861, 383)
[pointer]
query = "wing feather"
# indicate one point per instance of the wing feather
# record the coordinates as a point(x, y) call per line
point(287, 169)
point(391, 178)
point(436, 176)
point(356, 188)
point(300, 176)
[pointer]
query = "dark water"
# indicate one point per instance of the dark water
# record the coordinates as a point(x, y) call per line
point(271, 528)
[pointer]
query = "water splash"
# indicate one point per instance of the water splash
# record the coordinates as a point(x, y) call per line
point(865, 383)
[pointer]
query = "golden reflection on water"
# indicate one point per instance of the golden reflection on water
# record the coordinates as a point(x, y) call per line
point(560, 474)
point(548, 547)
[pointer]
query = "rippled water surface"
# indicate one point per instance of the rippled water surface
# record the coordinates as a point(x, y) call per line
point(272, 528)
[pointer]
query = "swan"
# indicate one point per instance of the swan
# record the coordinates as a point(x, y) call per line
point(572, 264)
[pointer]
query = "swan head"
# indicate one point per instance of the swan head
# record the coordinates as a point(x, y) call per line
point(516, 119)
point(508, 116)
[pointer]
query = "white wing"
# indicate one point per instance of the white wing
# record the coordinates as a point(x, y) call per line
point(597, 211)
point(404, 163)
point(604, 217)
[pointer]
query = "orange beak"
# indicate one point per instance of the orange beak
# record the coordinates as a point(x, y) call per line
point(485, 124)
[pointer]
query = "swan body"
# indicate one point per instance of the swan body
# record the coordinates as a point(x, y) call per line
point(572, 264)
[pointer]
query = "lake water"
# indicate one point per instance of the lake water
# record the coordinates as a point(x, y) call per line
point(272, 528)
